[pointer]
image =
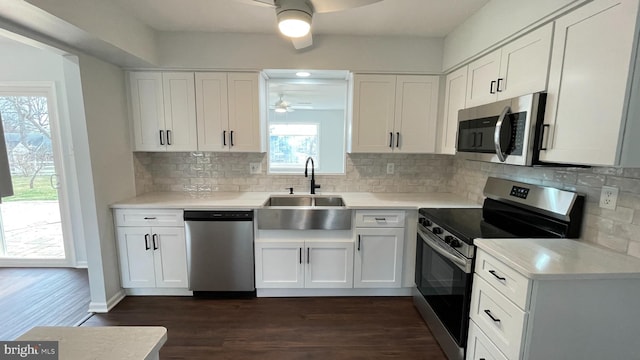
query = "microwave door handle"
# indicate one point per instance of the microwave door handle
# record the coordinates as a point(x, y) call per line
point(498, 132)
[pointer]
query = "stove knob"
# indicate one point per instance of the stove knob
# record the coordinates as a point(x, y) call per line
point(436, 230)
point(455, 243)
point(427, 222)
point(448, 239)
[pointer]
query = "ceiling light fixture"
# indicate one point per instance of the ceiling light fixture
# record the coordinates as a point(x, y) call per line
point(294, 18)
point(281, 106)
point(303, 74)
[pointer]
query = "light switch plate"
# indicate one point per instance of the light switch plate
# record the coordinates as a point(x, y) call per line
point(609, 197)
point(255, 168)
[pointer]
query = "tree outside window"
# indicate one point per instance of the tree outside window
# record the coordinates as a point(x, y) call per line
point(291, 145)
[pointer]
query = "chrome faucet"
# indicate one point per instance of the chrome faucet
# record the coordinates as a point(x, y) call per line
point(313, 176)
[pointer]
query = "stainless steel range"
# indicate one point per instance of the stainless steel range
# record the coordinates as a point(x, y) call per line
point(445, 250)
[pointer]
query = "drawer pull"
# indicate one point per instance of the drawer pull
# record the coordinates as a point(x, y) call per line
point(493, 272)
point(381, 219)
point(489, 314)
point(149, 217)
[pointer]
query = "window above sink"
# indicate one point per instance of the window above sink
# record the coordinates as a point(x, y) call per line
point(307, 117)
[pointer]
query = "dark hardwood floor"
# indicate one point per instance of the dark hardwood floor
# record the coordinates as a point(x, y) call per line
point(41, 297)
point(281, 328)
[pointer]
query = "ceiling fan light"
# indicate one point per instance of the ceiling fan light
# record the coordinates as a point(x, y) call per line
point(294, 23)
point(281, 110)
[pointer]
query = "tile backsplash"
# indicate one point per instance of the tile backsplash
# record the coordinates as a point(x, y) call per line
point(211, 171)
point(617, 229)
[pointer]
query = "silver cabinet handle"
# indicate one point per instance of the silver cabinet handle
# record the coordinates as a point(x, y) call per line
point(155, 243)
point(146, 242)
point(493, 272)
point(149, 217)
point(308, 260)
point(358, 242)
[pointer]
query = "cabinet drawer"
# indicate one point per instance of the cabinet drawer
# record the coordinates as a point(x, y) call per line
point(151, 217)
point(500, 319)
point(507, 281)
point(479, 347)
point(379, 218)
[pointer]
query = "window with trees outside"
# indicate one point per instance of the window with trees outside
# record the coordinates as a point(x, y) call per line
point(291, 144)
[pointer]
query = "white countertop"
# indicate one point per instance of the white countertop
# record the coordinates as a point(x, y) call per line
point(255, 200)
point(98, 343)
point(561, 259)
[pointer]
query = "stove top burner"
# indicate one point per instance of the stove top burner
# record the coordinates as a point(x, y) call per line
point(465, 224)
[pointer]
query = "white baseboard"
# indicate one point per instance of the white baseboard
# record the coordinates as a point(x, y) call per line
point(332, 292)
point(158, 292)
point(82, 265)
point(104, 307)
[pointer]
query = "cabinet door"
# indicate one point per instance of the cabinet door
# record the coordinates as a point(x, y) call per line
point(454, 100)
point(524, 64)
point(416, 113)
point(212, 111)
point(378, 257)
point(588, 82)
point(147, 110)
point(136, 257)
point(329, 264)
point(245, 125)
point(180, 111)
point(170, 257)
point(279, 264)
point(373, 113)
point(482, 79)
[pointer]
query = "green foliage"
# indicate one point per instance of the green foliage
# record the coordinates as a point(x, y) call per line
point(42, 189)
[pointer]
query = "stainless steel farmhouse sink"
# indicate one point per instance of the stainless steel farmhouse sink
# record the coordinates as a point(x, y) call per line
point(304, 213)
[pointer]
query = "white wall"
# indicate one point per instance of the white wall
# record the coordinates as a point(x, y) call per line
point(108, 170)
point(20, 63)
point(495, 22)
point(195, 50)
point(106, 21)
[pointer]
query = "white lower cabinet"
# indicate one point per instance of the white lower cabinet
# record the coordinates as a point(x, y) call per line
point(304, 264)
point(378, 257)
point(558, 316)
point(379, 248)
point(479, 347)
point(152, 256)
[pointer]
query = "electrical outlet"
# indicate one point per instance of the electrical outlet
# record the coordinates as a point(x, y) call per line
point(609, 197)
point(255, 168)
point(391, 167)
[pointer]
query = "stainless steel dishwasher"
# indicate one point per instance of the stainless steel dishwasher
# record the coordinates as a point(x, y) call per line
point(220, 252)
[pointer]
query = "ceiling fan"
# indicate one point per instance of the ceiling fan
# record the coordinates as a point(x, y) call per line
point(294, 16)
point(282, 106)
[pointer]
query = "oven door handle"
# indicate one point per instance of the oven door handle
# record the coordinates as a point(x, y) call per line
point(464, 265)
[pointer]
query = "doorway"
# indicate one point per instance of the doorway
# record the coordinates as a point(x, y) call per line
point(34, 230)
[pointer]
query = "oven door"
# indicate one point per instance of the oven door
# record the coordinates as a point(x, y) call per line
point(444, 279)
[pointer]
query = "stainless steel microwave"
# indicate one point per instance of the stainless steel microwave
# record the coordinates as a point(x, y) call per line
point(506, 131)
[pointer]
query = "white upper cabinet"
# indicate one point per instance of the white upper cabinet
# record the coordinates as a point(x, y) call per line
point(229, 112)
point(518, 68)
point(394, 113)
point(212, 111)
point(454, 100)
point(246, 119)
point(374, 98)
point(585, 117)
point(163, 111)
point(147, 108)
point(179, 111)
